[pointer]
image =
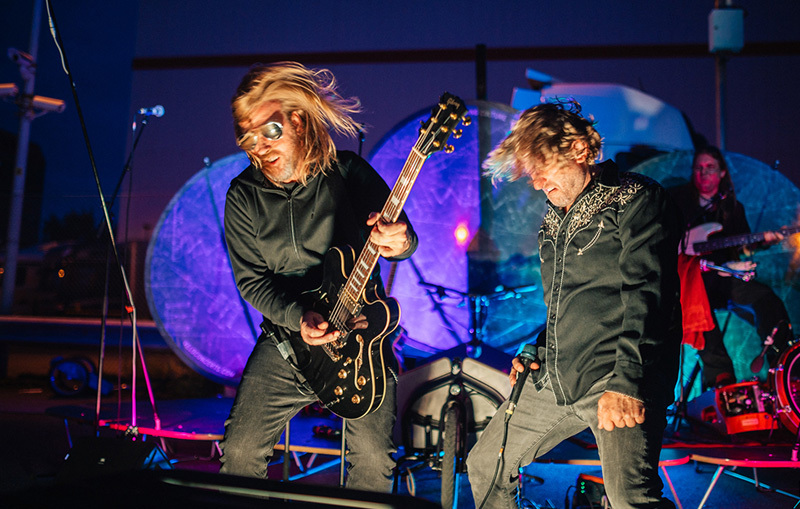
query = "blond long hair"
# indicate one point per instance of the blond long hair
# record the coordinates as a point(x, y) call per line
point(312, 94)
point(544, 133)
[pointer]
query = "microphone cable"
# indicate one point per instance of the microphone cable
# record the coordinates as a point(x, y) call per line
point(527, 356)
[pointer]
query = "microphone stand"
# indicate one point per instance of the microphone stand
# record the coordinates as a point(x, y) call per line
point(137, 345)
point(131, 307)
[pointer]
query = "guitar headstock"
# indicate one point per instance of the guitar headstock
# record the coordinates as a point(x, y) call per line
point(434, 133)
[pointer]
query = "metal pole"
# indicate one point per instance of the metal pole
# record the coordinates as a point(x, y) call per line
point(18, 187)
point(721, 62)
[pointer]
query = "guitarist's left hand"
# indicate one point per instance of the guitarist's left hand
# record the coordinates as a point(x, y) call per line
point(391, 238)
point(771, 238)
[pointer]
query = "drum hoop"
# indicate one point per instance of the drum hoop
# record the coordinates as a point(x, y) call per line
point(790, 358)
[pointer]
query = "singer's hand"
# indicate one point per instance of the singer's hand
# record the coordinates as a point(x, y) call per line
point(620, 411)
point(517, 367)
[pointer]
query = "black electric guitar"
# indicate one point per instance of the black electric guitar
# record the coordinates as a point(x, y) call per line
point(697, 241)
point(349, 375)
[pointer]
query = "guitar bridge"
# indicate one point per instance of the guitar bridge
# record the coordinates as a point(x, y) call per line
point(332, 349)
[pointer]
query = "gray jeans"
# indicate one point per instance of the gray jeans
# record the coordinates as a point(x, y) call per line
point(269, 396)
point(629, 456)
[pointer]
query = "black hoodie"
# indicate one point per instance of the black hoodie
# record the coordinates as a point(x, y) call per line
point(278, 237)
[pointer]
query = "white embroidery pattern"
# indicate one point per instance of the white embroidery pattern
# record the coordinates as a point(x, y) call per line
point(589, 206)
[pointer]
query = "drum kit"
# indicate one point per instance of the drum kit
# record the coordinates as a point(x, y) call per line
point(445, 403)
point(753, 406)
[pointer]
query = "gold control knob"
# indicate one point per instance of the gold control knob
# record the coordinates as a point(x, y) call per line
point(361, 382)
point(356, 399)
point(338, 390)
point(342, 373)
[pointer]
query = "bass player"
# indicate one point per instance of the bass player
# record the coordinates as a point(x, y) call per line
point(710, 198)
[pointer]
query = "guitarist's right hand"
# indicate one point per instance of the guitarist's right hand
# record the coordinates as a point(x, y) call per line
point(315, 330)
point(738, 266)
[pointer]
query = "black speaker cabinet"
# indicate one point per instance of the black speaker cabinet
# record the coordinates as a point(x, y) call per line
point(95, 456)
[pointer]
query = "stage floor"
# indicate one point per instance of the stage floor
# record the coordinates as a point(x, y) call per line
point(32, 420)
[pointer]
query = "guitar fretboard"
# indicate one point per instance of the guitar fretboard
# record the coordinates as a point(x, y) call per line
point(739, 240)
point(433, 135)
point(364, 265)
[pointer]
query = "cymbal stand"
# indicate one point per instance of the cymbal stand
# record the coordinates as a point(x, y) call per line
point(681, 410)
point(478, 308)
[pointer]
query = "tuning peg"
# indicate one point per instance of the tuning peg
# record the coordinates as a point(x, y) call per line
point(449, 149)
point(466, 121)
point(457, 133)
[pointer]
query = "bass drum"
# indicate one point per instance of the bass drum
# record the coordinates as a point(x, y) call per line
point(189, 282)
point(786, 380)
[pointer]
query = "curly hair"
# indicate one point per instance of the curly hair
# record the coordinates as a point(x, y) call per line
point(312, 94)
point(543, 134)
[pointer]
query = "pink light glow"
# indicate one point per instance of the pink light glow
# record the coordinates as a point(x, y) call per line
point(461, 234)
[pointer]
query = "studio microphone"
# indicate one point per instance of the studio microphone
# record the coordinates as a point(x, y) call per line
point(527, 356)
point(155, 111)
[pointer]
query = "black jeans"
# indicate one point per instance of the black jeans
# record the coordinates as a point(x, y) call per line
point(629, 456)
point(269, 395)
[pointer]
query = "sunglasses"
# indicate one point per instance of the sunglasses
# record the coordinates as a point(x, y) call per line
point(271, 131)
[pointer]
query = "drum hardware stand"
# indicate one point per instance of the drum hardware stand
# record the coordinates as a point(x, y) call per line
point(130, 307)
point(478, 308)
point(681, 411)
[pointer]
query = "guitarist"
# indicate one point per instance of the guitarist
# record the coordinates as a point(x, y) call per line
point(710, 197)
point(298, 198)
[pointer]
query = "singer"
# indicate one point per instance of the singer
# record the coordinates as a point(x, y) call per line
point(609, 354)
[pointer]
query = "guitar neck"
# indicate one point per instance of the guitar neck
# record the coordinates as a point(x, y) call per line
point(433, 135)
point(739, 240)
point(364, 265)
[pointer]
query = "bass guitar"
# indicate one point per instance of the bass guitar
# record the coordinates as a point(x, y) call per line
point(349, 374)
point(697, 241)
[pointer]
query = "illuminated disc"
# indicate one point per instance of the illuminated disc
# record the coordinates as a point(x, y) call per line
point(189, 281)
point(445, 201)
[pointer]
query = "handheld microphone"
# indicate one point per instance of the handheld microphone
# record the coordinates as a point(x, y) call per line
point(527, 356)
point(155, 111)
